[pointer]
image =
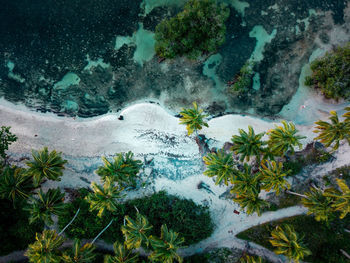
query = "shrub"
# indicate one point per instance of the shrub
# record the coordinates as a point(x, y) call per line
point(198, 29)
point(243, 80)
point(331, 73)
point(6, 138)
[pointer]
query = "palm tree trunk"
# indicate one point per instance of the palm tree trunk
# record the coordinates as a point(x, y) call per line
point(297, 194)
point(345, 254)
point(60, 233)
point(93, 241)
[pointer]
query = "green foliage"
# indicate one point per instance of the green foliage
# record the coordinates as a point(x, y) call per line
point(288, 243)
point(6, 139)
point(331, 73)
point(165, 248)
point(250, 259)
point(248, 144)
point(342, 198)
point(252, 203)
point(46, 165)
point(46, 204)
point(193, 119)
point(273, 176)
point(243, 80)
point(221, 165)
point(79, 254)
point(122, 255)
point(198, 29)
point(45, 248)
point(246, 183)
point(123, 170)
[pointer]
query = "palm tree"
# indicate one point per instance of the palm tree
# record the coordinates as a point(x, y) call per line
point(79, 254)
point(104, 197)
point(46, 248)
point(252, 203)
point(287, 243)
point(136, 231)
point(273, 176)
point(319, 205)
point(245, 182)
point(283, 139)
point(15, 184)
point(193, 119)
point(123, 170)
point(45, 205)
point(342, 198)
point(248, 144)
point(221, 165)
point(165, 248)
point(346, 115)
point(122, 255)
point(46, 165)
point(333, 132)
point(250, 259)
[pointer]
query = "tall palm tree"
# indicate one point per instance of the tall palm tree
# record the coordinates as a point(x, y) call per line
point(123, 170)
point(79, 254)
point(332, 132)
point(220, 165)
point(284, 138)
point(122, 255)
point(250, 259)
point(165, 248)
point(252, 203)
point(46, 248)
point(15, 184)
point(46, 165)
point(273, 176)
point(245, 182)
point(193, 119)
point(342, 198)
point(248, 144)
point(319, 205)
point(104, 197)
point(288, 243)
point(136, 232)
point(46, 204)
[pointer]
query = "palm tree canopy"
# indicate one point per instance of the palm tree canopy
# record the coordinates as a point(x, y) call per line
point(136, 232)
point(193, 119)
point(319, 205)
point(123, 170)
point(333, 132)
point(346, 115)
point(248, 144)
point(15, 184)
point(45, 248)
point(221, 165)
point(165, 248)
point(245, 182)
point(46, 204)
point(284, 138)
point(79, 254)
point(273, 176)
point(287, 243)
point(342, 199)
point(122, 255)
point(250, 259)
point(46, 165)
point(252, 203)
point(104, 197)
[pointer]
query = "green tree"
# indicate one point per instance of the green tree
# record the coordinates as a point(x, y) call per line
point(45, 205)
point(193, 119)
point(46, 165)
point(220, 165)
point(284, 138)
point(136, 232)
point(122, 255)
point(346, 115)
point(79, 253)
point(342, 198)
point(333, 132)
point(6, 139)
point(273, 176)
point(165, 248)
point(123, 170)
point(252, 203)
point(199, 28)
point(246, 182)
point(288, 243)
point(46, 248)
point(250, 259)
point(104, 197)
point(248, 144)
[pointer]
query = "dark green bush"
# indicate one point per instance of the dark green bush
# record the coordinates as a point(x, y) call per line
point(198, 29)
point(243, 80)
point(6, 138)
point(331, 73)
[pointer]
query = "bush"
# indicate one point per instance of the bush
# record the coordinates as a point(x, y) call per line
point(331, 73)
point(198, 29)
point(6, 138)
point(192, 221)
point(243, 80)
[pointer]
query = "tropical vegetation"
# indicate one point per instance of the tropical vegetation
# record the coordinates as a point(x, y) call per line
point(6, 139)
point(79, 253)
point(193, 119)
point(243, 80)
point(273, 176)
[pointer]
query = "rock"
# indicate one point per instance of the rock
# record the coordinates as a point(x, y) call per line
point(227, 147)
